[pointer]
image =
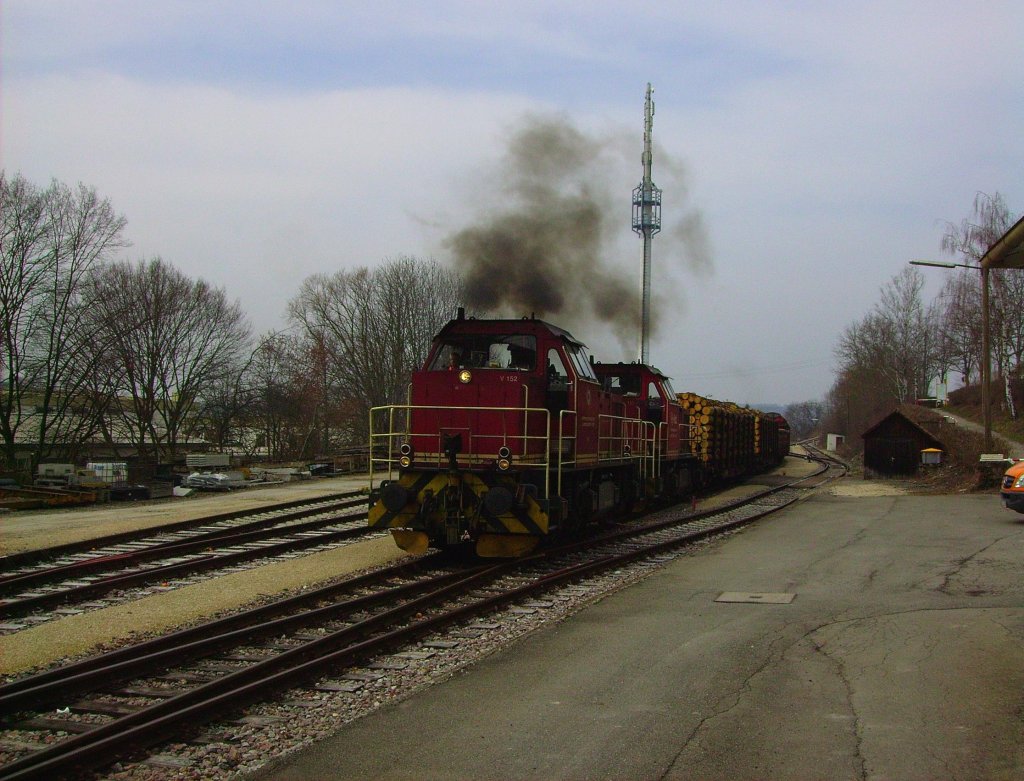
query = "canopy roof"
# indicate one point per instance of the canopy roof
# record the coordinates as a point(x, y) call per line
point(1008, 252)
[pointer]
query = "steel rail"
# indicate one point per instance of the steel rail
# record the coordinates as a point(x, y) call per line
point(23, 558)
point(155, 660)
point(237, 689)
point(15, 607)
point(208, 629)
point(151, 724)
point(232, 535)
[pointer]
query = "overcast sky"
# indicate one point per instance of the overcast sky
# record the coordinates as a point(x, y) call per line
point(812, 148)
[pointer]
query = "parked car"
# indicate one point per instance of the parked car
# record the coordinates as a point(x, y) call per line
point(1013, 487)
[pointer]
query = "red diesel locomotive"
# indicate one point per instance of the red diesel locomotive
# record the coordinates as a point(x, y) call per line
point(512, 433)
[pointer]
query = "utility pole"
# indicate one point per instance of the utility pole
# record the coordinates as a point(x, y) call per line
point(646, 222)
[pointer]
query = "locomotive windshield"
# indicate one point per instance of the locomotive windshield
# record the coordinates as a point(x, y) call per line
point(486, 351)
point(581, 360)
point(630, 382)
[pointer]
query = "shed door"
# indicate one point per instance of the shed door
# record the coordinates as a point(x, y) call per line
point(900, 457)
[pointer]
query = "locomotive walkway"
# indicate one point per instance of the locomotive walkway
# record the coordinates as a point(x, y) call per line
point(900, 655)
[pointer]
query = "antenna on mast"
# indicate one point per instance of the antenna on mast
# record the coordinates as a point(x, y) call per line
point(646, 221)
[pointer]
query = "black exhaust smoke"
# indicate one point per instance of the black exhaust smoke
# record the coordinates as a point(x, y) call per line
point(545, 247)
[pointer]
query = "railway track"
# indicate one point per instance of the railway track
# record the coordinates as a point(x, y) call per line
point(115, 705)
point(825, 458)
point(42, 580)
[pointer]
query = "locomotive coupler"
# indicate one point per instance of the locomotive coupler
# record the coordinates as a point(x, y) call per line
point(452, 448)
point(427, 505)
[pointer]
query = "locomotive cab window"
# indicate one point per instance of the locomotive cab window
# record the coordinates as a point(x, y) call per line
point(487, 351)
point(627, 384)
point(581, 362)
point(655, 403)
point(558, 377)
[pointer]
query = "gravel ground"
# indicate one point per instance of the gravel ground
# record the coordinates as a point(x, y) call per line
point(75, 636)
point(30, 529)
point(853, 487)
point(231, 750)
point(271, 729)
point(80, 635)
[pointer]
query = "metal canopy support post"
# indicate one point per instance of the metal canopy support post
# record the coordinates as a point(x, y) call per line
point(986, 365)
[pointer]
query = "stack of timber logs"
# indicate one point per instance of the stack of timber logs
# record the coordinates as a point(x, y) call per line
point(773, 431)
point(727, 437)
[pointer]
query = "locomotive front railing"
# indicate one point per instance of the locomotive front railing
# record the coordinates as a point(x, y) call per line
point(385, 443)
point(619, 439)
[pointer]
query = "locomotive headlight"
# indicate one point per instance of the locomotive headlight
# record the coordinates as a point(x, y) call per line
point(406, 458)
point(465, 376)
point(504, 458)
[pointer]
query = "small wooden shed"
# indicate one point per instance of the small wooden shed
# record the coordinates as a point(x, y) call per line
point(893, 445)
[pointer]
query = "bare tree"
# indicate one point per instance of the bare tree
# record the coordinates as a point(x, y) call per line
point(895, 343)
point(372, 329)
point(415, 299)
point(854, 402)
point(49, 243)
point(961, 322)
point(171, 336)
point(1007, 305)
point(285, 401)
point(970, 240)
point(222, 402)
point(804, 418)
point(885, 359)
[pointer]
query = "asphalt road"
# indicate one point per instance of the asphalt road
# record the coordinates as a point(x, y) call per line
point(1001, 444)
point(901, 656)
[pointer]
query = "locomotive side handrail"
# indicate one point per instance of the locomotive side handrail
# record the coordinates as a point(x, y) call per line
point(635, 433)
point(561, 450)
point(641, 454)
point(526, 418)
point(661, 443)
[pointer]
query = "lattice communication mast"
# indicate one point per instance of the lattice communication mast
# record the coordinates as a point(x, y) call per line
point(646, 221)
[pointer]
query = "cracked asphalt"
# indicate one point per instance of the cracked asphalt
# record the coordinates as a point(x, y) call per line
point(901, 657)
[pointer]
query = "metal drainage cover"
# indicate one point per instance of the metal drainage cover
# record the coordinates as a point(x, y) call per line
point(762, 597)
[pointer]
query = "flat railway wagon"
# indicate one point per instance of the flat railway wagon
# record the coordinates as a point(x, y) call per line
point(512, 434)
point(732, 441)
